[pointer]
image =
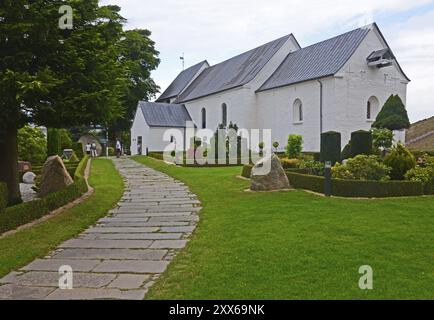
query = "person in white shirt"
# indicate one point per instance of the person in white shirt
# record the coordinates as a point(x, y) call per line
point(88, 149)
point(93, 148)
point(118, 148)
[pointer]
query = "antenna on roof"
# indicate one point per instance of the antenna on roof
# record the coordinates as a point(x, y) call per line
point(182, 58)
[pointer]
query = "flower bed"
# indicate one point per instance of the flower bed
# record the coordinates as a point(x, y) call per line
point(15, 216)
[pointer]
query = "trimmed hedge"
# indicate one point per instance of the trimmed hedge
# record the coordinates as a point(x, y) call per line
point(3, 196)
point(357, 188)
point(15, 216)
point(330, 147)
point(361, 143)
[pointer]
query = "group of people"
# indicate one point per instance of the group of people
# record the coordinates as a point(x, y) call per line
point(91, 149)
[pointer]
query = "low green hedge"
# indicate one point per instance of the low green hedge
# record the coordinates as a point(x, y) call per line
point(3, 196)
point(357, 188)
point(15, 216)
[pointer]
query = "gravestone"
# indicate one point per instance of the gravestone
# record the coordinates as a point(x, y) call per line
point(54, 176)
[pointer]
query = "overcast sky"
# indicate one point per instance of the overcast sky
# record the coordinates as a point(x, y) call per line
point(216, 30)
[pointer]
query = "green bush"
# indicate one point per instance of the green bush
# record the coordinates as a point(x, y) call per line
point(382, 139)
point(330, 147)
point(393, 115)
point(312, 167)
point(32, 145)
point(425, 175)
point(289, 163)
point(15, 216)
point(357, 188)
point(400, 160)
point(3, 196)
point(361, 167)
point(78, 149)
point(247, 171)
point(361, 143)
point(111, 151)
point(346, 151)
point(53, 142)
point(294, 146)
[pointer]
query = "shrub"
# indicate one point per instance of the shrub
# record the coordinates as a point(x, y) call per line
point(111, 151)
point(32, 145)
point(400, 160)
point(393, 115)
point(361, 167)
point(312, 167)
point(53, 142)
point(382, 139)
point(78, 149)
point(3, 196)
point(346, 152)
point(65, 139)
point(294, 146)
point(306, 182)
point(247, 171)
point(425, 175)
point(361, 143)
point(330, 147)
point(289, 163)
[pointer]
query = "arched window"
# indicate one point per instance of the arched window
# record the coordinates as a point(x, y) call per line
point(203, 118)
point(224, 114)
point(298, 111)
point(372, 108)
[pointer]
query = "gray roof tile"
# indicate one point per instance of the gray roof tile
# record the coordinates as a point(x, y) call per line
point(232, 73)
point(164, 114)
point(316, 61)
point(181, 81)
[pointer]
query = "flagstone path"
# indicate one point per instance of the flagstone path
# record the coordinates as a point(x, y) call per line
point(124, 253)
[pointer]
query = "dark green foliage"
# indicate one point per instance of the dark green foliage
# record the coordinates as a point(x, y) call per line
point(346, 152)
point(15, 216)
point(78, 149)
point(65, 139)
point(3, 196)
point(53, 142)
point(361, 143)
point(330, 147)
point(400, 160)
point(357, 188)
point(32, 145)
point(393, 115)
point(247, 171)
point(294, 146)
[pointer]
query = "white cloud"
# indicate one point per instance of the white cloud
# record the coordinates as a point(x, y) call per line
point(218, 29)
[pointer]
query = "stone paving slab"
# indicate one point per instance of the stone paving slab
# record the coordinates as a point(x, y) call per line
point(133, 266)
point(116, 254)
point(125, 252)
point(78, 265)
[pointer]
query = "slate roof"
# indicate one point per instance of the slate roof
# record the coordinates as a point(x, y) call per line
point(232, 73)
point(319, 60)
point(181, 81)
point(164, 114)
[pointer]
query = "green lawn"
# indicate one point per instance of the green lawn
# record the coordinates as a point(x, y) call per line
point(23, 247)
point(296, 245)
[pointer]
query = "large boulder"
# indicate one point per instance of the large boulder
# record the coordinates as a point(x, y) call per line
point(54, 176)
point(268, 175)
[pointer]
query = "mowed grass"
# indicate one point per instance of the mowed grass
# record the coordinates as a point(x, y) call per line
point(23, 247)
point(297, 245)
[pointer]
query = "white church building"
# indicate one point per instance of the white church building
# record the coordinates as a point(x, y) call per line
point(339, 84)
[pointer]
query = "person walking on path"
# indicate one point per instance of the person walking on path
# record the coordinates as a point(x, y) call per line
point(118, 148)
point(94, 154)
point(88, 148)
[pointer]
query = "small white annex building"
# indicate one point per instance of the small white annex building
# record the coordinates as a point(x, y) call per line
point(338, 84)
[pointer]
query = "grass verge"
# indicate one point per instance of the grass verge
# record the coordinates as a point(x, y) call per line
point(296, 245)
point(24, 246)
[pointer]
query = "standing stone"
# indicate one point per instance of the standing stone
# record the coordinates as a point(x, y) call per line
point(29, 177)
point(263, 179)
point(54, 176)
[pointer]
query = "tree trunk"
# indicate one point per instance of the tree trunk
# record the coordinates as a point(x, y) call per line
point(9, 164)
